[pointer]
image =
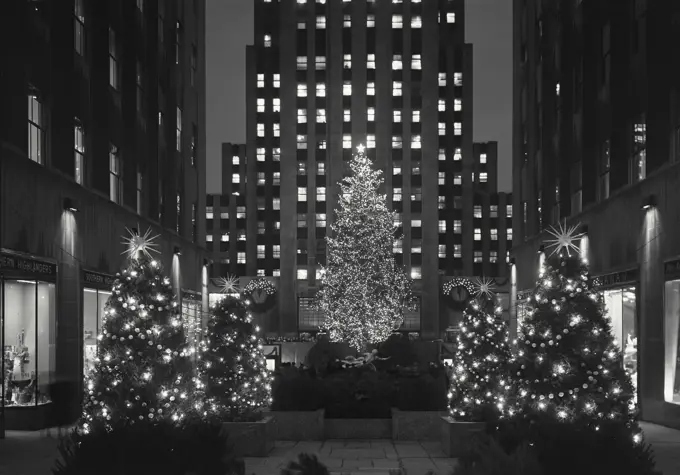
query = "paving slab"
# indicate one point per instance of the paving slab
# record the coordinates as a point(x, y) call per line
point(389, 464)
point(418, 465)
point(358, 453)
point(410, 450)
point(356, 463)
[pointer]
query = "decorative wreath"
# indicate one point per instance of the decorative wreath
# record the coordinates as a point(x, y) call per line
point(261, 294)
point(452, 284)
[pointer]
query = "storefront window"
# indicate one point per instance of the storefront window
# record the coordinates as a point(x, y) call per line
point(522, 313)
point(191, 314)
point(622, 310)
point(29, 351)
point(94, 302)
point(672, 331)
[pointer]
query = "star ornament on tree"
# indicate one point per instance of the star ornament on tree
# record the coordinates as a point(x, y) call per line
point(361, 148)
point(229, 284)
point(484, 287)
point(565, 238)
point(138, 244)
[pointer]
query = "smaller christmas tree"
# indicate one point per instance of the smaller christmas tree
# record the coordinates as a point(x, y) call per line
point(143, 370)
point(479, 383)
point(569, 367)
point(232, 366)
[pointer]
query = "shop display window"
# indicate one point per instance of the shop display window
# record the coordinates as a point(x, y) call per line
point(191, 315)
point(94, 303)
point(522, 308)
point(28, 308)
point(622, 311)
point(671, 333)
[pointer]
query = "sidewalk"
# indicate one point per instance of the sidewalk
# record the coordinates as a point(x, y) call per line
point(29, 453)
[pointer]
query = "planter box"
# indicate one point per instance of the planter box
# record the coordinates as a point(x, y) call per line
point(416, 425)
point(298, 425)
point(250, 439)
point(357, 428)
point(456, 435)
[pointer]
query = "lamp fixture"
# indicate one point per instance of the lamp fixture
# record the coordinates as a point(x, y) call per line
point(70, 205)
point(649, 202)
point(207, 262)
point(177, 251)
point(511, 261)
point(541, 249)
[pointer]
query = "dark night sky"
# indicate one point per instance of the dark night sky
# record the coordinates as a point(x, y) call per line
point(230, 29)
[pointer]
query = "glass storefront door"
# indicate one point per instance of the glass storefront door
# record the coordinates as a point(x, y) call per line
point(621, 305)
point(94, 303)
point(672, 342)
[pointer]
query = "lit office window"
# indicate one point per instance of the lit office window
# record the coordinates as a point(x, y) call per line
point(442, 226)
point(396, 141)
point(457, 226)
point(415, 116)
point(441, 202)
point(370, 61)
point(301, 25)
point(347, 88)
point(302, 90)
point(397, 21)
point(79, 153)
point(235, 178)
point(370, 141)
point(347, 21)
point(397, 63)
point(370, 21)
point(457, 79)
point(320, 22)
point(457, 105)
point(416, 21)
point(450, 17)
point(320, 168)
point(442, 79)
point(483, 177)
point(442, 178)
point(276, 129)
point(321, 116)
point(396, 88)
point(179, 129)
point(320, 90)
point(370, 89)
point(457, 179)
point(260, 154)
point(482, 158)
point(396, 115)
point(457, 154)
point(415, 142)
point(302, 116)
point(346, 141)
point(320, 220)
point(493, 211)
point(509, 234)
point(396, 194)
point(276, 82)
point(441, 251)
point(442, 154)
point(477, 257)
point(320, 63)
point(302, 194)
point(114, 74)
point(457, 251)
point(260, 104)
point(267, 41)
point(416, 62)
point(442, 128)
point(494, 234)
point(347, 115)
point(321, 193)
point(36, 131)
point(115, 175)
point(478, 234)
point(301, 63)
point(260, 130)
point(241, 258)
point(370, 114)
point(416, 272)
point(416, 223)
point(302, 142)
point(276, 104)
point(235, 160)
point(396, 170)
point(493, 257)
point(347, 61)
point(302, 220)
point(302, 274)
point(477, 211)
point(441, 105)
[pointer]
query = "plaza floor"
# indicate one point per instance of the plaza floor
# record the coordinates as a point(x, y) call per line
point(32, 453)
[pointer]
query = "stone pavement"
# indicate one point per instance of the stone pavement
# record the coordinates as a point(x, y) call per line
point(356, 457)
point(31, 453)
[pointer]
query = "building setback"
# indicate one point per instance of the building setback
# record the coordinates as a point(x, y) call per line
point(324, 77)
point(597, 142)
point(101, 129)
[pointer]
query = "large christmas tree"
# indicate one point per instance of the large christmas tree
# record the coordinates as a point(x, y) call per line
point(569, 365)
point(143, 371)
point(233, 369)
point(479, 382)
point(363, 293)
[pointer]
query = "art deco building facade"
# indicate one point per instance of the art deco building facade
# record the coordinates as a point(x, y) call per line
point(597, 142)
point(322, 78)
point(101, 128)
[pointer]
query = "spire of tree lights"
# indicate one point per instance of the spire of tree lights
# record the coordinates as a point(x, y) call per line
point(479, 382)
point(142, 373)
point(233, 369)
point(569, 367)
point(363, 293)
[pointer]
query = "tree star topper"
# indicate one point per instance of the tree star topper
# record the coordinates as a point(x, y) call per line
point(138, 244)
point(229, 284)
point(361, 148)
point(485, 287)
point(565, 238)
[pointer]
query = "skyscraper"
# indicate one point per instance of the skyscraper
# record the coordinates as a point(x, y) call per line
point(326, 76)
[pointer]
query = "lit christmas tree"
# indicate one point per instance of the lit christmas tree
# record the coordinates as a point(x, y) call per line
point(142, 373)
point(569, 367)
point(363, 293)
point(233, 369)
point(479, 382)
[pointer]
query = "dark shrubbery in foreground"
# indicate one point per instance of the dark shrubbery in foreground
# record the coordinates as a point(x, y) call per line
point(487, 457)
point(568, 449)
point(357, 393)
point(305, 465)
point(196, 449)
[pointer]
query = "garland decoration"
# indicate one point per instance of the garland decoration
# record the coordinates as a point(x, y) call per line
point(454, 283)
point(260, 295)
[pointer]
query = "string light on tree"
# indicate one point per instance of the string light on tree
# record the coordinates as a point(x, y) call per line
point(569, 366)
point(363, 293)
